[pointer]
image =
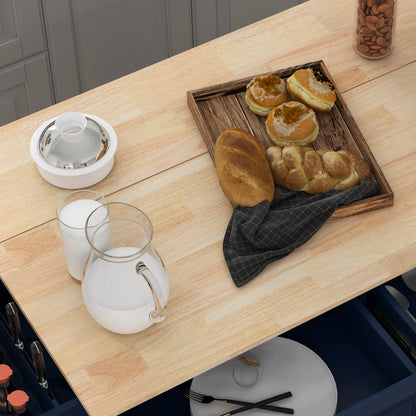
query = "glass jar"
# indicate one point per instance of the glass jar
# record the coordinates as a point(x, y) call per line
point(374, 28)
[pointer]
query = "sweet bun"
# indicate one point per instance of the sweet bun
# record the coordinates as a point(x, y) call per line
point(292, 123)
point(265, 92)
point(242, 168)
point(300, 168)
point(312, 88)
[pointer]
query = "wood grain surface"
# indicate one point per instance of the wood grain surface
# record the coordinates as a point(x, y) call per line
point(163, 166)
point(148, 109)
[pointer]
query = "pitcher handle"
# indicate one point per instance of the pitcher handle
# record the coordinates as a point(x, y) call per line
point(160, 312)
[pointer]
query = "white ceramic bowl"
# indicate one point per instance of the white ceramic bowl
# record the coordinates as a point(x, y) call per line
point(75, 178)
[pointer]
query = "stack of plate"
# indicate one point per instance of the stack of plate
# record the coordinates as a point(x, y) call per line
point(285, 365)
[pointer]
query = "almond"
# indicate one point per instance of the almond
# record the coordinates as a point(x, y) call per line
point(380, 23)
point(380, 41)
point(363, 48)
point(371, 19)
point(383, 7)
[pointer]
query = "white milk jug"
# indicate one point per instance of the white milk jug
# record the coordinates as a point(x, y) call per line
point(124, 287)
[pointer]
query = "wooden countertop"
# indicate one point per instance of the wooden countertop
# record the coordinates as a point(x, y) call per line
point(163, 167)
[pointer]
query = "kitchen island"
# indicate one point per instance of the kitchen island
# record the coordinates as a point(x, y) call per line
point(163, 167)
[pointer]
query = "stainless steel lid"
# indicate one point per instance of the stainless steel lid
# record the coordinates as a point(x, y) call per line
point(73, 141)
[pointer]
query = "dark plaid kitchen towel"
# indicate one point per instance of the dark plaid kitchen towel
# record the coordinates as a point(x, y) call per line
point(257, 236)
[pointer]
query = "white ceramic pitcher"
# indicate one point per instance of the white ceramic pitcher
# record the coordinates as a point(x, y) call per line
point(124, 287)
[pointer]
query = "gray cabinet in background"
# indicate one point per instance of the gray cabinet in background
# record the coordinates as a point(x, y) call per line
point(25, 87)
point(25, 83)
point(51, 50)
point(21, 30)
point(92, 42)
point(213, 18)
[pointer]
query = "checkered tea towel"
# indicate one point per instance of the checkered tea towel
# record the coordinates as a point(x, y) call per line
point(257, 236)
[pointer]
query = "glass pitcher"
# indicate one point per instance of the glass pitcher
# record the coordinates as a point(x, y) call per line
point(124, 287)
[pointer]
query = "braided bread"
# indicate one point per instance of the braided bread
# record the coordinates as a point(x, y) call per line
point(300, 168)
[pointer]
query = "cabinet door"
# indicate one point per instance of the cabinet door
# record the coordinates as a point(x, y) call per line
point(213, 18)
point(21, 30)
point(24, 88)
point(93, 42)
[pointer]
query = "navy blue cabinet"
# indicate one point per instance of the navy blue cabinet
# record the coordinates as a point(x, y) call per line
point(368, 343)
point(373, 374)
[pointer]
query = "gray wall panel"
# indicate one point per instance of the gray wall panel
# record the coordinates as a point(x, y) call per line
point(30, 26)
point(213, 18)
point(21, 30)
point(179, 25)
point(38, 83)
point(93, 42)
point(62, 48)
point(115, 41)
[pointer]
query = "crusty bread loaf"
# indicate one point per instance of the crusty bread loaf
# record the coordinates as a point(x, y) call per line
point(242, 168)
point(292, 123)
point(300, 168)
point(312, 88)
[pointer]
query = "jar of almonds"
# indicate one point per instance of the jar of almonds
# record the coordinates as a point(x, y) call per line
point(375, 26)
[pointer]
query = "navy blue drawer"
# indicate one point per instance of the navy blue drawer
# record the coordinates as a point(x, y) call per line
point(373, 375)
point(41, 402)
point(62, 401)
point(398, 323)
point(70, 408)
point(172, 403)
point(22, 378)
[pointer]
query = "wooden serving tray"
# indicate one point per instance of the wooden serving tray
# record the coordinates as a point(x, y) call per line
point(219, 107)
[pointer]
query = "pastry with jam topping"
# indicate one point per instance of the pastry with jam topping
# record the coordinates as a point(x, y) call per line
point(265, 92)
point(292, 123)
point(312, 88)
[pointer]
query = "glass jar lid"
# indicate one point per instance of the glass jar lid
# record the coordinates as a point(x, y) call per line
point(73, 141)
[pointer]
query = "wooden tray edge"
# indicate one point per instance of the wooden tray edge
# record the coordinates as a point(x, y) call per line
point(386, 199)
point(364, 205)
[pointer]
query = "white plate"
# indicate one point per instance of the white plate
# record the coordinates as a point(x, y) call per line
point(285, 365)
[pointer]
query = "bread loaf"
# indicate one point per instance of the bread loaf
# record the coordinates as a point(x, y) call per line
point(242, 168)
point(300, 168)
